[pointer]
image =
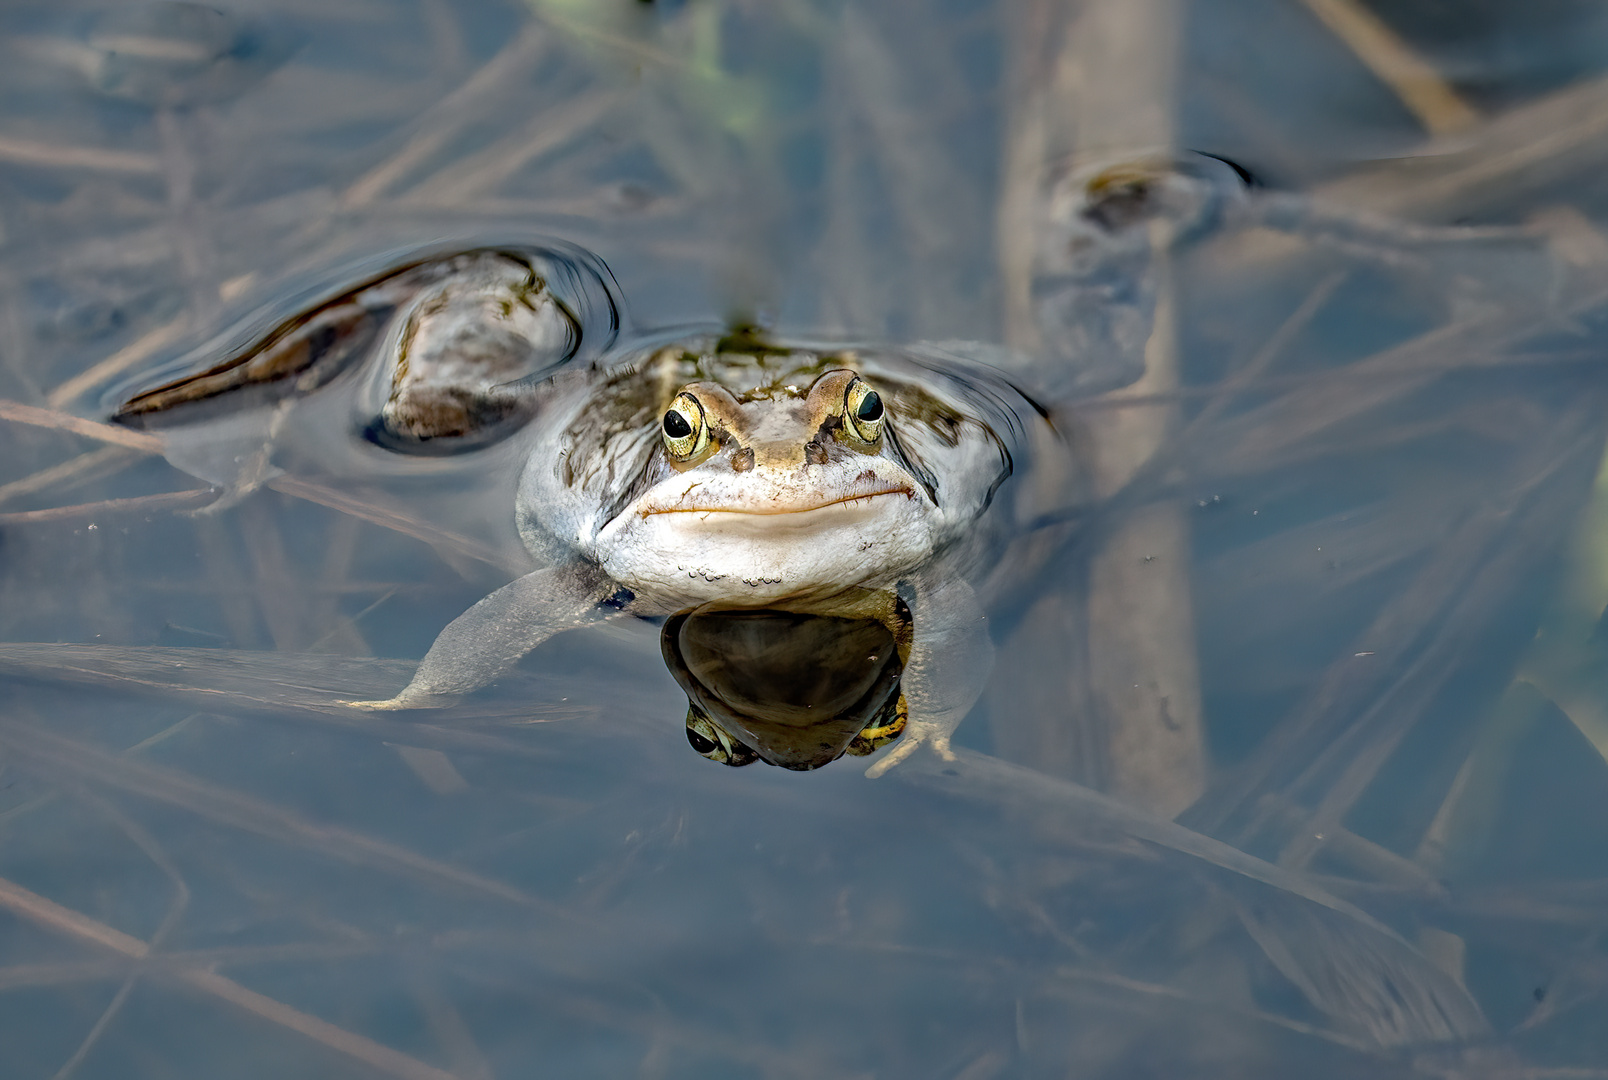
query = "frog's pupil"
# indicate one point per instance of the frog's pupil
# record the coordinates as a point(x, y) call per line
point(676, 426)
point(699, 743)
point(870, 409)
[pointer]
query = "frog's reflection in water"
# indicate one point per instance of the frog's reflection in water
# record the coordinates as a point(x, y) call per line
point(791, 689)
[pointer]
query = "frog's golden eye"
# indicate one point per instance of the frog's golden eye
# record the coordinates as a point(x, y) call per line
point(713, 741)
point(863, 412)
point(686, 432)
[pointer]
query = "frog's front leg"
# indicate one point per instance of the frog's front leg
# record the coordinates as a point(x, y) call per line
point(950, 658)
point(489, 639)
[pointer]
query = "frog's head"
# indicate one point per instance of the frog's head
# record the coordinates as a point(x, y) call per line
point(784, 491)
point(746, 473)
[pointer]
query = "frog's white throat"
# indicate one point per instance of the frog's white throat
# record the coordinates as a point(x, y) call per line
point(768, 535)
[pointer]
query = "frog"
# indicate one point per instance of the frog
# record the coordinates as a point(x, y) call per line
point(729, 473)
point(809, 500)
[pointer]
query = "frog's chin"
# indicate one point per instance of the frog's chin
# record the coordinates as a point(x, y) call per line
point(682, 544)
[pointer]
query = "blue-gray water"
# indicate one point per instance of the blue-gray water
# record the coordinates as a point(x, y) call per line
point(1389, 854)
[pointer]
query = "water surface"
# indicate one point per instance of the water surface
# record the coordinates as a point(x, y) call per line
point(1355, 586)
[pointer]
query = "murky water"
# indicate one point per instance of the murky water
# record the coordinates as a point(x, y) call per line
point(1292, 758)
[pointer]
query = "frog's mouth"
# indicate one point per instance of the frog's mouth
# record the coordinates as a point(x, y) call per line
point(773, 509)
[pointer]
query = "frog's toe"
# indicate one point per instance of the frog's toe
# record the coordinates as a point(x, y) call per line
point(935, 739)
point(407, 699)
point(376, 706)
point(905, 748)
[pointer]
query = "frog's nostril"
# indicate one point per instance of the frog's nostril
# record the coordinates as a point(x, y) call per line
point(743, 460)
point(815, 453)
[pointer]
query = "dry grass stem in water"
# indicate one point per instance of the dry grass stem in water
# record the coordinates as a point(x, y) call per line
point(1419, 86)
point(63, 920)
point(1105, 86)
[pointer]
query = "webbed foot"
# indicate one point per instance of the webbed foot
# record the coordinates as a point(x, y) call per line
point(950, 658)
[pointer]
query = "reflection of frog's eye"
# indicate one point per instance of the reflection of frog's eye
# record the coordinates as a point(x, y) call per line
point(713, 742)
point(685, 432)
point(883, 730)
point(862, 412)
